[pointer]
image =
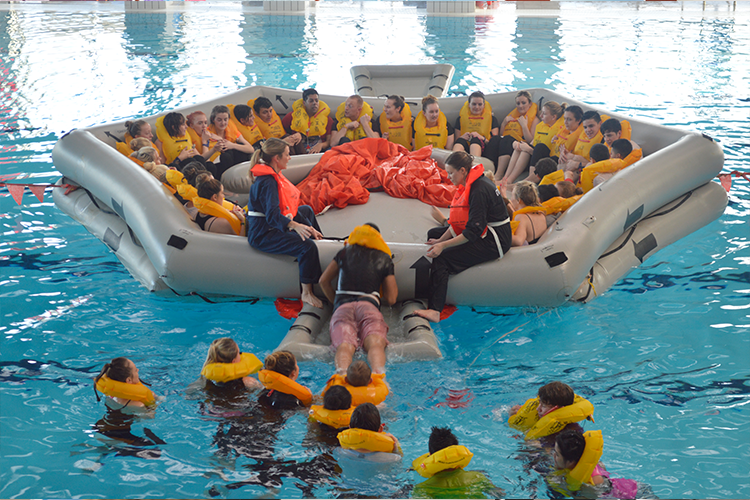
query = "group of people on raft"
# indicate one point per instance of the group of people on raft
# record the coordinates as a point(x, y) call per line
point(348, 406)
point(569, 152)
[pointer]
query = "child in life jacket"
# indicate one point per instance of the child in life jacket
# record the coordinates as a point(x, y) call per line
point(337, 409)
point(361, 383)
point(577, 459)
point(365, 433)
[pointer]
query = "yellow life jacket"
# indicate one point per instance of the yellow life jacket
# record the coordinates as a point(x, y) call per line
point(338, 419)
point(369, 237)
point(398, 132)
point(564, 136)
point(583, 146)
point(251, 134)
point(544, 133)
point(357, 133)
point(210, 207)
point(272, 129)
point(133, 392)
point(514, 129)
point(581, 473)
point(452, 457)
point(311, 127)
point(375, 392)
point(224, 372)
point(277, 382)
point(361, 439)
point(197, 140)
point(527, 419)
point(559, 204)
point(525, 210)
point(436, 136)
point(481, 124)
point(553, 178)
point(171, 146)
point(588, 174)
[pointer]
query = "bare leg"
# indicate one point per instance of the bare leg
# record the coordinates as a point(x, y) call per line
point(429, 314)
point(475, 150)
point(309, 297)
point(515, 168)
point(502, 166)
point(343, 358)
point(375, 348)
point(458, 147)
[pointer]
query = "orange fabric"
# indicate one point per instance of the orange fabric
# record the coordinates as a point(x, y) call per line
point(289, 194)
point(344, 174)
point(288, 308)
point(459, 214)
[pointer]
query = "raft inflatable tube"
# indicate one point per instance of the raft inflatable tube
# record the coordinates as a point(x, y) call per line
point(413, 80)
point(547, 274)
point(410, 337)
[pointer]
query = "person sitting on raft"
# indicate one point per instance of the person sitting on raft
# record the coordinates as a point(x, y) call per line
point(551, 123)
point(611, 130)
point(276, 223)
point(310, 121)
point(365, 433)
point(212, 216)
point(120, 382)
point(337, 408)
point(444, 467)
point(431, 127)
point(519, 126)
point(479, 230)
point(362, 384)
point(202, 137)
point(543, 167)
point(138, 128)
point(556, 408)
point(567, 189)
point(279, 377)
point(577, 457)
point(174, 143)
point(395, 123)
point(144, 154)
point(234, 148)
point(242, 117)
point(528, 211)
point(574, 160)
point(225, 365)
point(270, 124)
point(353, 121)
point(475, 125)
point(361, 269)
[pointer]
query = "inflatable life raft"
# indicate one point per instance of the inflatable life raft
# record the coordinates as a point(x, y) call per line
point(616, 226)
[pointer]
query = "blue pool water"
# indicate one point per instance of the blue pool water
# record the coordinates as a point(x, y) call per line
point(663, 355)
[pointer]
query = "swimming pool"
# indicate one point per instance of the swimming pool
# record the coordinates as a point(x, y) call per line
point(663, 355)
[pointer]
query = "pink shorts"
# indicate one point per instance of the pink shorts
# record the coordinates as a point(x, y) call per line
point(353, 322)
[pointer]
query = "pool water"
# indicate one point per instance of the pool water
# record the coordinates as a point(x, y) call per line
point(664, 355)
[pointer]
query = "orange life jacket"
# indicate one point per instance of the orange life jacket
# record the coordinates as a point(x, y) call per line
point(288, 192)
point(514, 129)
point(459, 214)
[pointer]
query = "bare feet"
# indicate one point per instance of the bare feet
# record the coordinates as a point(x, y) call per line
point(430, 315)
point(310, 298)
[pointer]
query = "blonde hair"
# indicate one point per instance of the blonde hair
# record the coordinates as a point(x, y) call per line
point(157, 170)
point(524, 93)
point(555, 108)
point(282, 362)
point(264, 154)
point(146, 154)
point(138, 143)
point(527, 193)
point(222, 350)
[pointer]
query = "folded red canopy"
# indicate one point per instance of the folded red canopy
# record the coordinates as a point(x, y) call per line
point(344, 174)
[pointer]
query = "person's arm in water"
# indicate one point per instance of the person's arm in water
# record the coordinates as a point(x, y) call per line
point(326, 280)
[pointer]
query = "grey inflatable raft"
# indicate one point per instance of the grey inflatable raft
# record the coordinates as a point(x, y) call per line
point(618, 225)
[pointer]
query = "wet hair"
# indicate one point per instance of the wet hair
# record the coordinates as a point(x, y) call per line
point(592, 115)
point(365, 416)
point(138, 143)
point(555, 108)
point(372, 225)
point(192, 116)
point(172, 123)
point(556, 394)
point(567, 189)
point(545, 166)
point(217, 110)
point(242, 112)
point(134, 127)
point(440, 438)
point(427, 100)
point(526, 192)
point(610, 125)
point(571, 444)
point(222, 350)
point(576, 111)
point(282, 362)
point(271, 147)
point(209, 188)
point(622, 147)
point(398, 102)
point(145, 154)
point(191, 170)
point(201, 178)
point(547, 192)
point(524, 93)
point(261, 103)
point(307, 93)
point(118, 369)
point(358, 374)
point(476, 94)
point(460, 160)
point(599, 152)
point(337, 397)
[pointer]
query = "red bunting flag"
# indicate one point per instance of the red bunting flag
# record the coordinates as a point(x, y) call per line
point(726, 181)
point(16, 191)
point(38, 191)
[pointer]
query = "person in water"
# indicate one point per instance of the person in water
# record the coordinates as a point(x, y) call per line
point(361, 269)
point(225, 351)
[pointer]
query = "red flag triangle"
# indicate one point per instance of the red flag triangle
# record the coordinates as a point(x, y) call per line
point(38, 192)
point(726, 181)
point(16, 192)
